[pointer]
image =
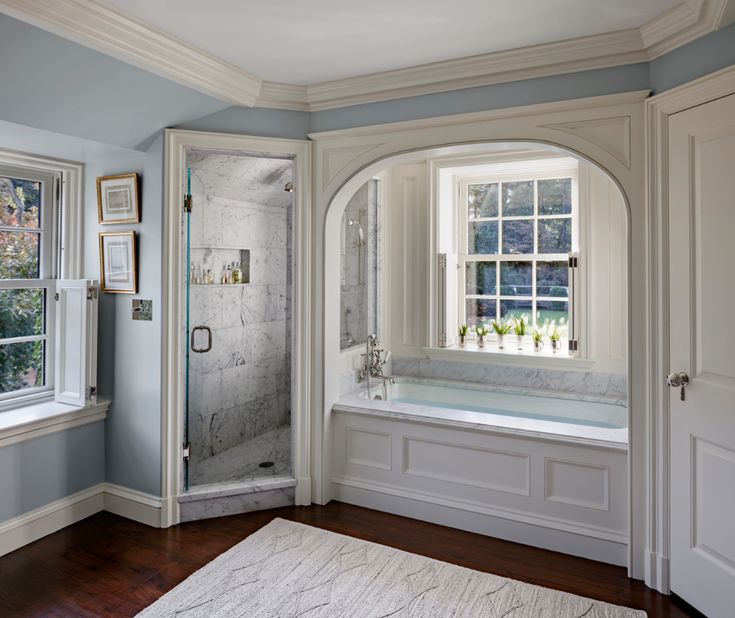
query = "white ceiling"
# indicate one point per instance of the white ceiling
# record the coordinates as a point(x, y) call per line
point(309, 41)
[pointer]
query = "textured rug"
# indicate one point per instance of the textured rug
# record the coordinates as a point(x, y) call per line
point(287, 570)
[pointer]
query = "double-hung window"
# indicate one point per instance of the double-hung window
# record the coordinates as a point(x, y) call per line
point(29, 211)
point(517, 232)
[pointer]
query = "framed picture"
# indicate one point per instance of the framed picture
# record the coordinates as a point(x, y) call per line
point(118, 267)
point(117, 199)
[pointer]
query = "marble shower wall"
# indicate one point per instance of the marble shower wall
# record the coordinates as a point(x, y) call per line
point(560, 381)
point(360, 266)
point(241, 388)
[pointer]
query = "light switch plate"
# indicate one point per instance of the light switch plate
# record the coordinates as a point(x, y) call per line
point(142, 309)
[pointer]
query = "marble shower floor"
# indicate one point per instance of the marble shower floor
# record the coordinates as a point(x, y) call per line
point(241, 462)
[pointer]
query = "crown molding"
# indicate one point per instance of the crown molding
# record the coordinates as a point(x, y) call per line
point(581, 54)
point(283, 96)
point(123, 37)
point(683, 23)
point(107, 30)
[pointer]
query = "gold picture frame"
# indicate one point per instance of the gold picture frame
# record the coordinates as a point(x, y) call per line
point(118, 262)
point(118, 199)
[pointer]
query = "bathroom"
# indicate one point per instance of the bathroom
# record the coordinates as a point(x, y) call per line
point(514, 439)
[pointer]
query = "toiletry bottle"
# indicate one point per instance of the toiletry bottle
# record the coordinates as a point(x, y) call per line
point(236, 274)
point(209, 277)
point(228, 274)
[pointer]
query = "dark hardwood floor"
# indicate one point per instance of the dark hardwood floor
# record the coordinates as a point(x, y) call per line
point(110, 566)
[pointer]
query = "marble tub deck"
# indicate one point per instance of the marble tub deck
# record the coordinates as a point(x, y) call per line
point(241, 462)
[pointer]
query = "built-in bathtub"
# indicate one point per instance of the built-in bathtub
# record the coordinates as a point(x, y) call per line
point(545, 469)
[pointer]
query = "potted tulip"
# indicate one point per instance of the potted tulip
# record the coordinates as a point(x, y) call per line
point(481, 332)
point(463, 330)
point(538, 340)
point(520, 327)
point(501, 329)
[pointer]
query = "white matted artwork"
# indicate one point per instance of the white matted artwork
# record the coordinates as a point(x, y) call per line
point(118, 267)
point(118, 199)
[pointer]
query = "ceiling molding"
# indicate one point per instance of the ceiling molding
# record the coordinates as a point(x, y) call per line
point(130, 40)
point(593, 52)
point(109, 31)
point(283, 96)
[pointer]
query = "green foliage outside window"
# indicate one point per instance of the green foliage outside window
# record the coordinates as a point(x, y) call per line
point(21, 311)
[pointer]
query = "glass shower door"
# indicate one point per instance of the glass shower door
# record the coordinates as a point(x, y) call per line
point(238, 318)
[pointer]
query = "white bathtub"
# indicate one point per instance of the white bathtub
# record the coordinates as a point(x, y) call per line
point(577, 417)
point(544, 469)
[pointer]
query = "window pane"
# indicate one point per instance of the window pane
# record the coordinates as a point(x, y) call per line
point(517, 237)
point(516, 278)
point(480, 278)
point(518, 198)
point(21, 313)
point(515, 309)
point(480, 311)
point(555, 197)
point(19, 255)
point(21, 365)
point(554, 235)
point(553, 311)
point(20, 202)
point(552, 279)
point(483, 237)
point(483, 200)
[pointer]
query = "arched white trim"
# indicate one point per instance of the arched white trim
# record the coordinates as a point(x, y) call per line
point(607, 131)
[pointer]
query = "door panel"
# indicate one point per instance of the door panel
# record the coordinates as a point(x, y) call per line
point(702, 344)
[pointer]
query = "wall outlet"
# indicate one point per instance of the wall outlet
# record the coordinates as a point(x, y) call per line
point(142, 309)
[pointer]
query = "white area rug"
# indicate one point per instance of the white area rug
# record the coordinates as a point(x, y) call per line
point(287, 569)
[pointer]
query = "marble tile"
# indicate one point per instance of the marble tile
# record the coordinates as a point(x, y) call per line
point(231, 505)
point(604, 384)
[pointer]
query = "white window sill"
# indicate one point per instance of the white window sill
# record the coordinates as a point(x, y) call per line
point(509, 356)
point(40, 419)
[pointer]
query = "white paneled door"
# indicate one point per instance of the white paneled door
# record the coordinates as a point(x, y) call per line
point(702, 351)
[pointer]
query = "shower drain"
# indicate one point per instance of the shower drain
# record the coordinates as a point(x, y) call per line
point(265, 464)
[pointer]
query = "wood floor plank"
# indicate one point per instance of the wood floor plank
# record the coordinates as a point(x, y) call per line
point(110, 566)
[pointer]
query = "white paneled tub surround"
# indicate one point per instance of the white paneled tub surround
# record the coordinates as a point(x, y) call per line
point(541, 469)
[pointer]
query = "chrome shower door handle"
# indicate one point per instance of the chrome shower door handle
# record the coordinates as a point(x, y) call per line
point(209, 339)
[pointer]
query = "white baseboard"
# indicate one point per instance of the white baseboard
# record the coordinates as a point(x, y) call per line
point(36, 524)
point(49, 518)
point(657, 572)
point(132, 504)
point(538, 532)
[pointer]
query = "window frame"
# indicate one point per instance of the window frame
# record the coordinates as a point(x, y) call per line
point(60, 252)
point(528, 170)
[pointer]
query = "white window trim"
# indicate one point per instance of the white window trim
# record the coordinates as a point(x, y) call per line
point(508, 166)
point(68, 249)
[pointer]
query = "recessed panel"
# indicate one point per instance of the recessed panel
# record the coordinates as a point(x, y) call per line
point(577, 483)
point(714, 227)
point(489, 469)
point(714, 502)
point(367, 448)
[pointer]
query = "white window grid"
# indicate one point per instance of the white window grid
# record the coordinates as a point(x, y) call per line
point(48, 230)
point(534, 258)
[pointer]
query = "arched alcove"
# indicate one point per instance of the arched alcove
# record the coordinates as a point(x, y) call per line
point(605, 131)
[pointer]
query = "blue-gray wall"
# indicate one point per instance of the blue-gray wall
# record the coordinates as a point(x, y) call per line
point(45, 469)
point(63, 100)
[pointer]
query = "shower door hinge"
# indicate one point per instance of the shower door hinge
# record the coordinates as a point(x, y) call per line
point(187, 203)
point(186, 451)
point(92, 292)
point(573, 345)
point(91, 393)
point(573, 261)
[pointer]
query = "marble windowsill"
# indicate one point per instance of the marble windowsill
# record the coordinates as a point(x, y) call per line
point(40, 419)
point(510, 356)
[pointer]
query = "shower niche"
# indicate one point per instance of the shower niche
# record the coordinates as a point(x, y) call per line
point(238, 330)
point(360, 265)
